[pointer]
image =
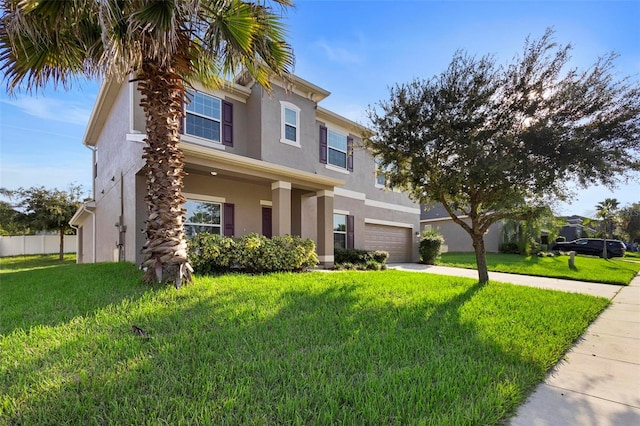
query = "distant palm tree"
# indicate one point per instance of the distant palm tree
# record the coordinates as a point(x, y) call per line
point(607, 211)
point(165, 45)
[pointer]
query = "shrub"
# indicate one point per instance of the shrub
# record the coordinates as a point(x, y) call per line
point(561, 239)
point(252, 253)
point(381, 256)
point(509, 248)
point(360, 259)
point(430, 244)
point(211, 253)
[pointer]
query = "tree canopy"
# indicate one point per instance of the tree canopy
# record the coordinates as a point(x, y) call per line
point(44, 209)
point(491, 141)
point(630, 217)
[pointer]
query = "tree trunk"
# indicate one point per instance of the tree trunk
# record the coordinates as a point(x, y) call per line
point(61, 257)
point(481, 258)
point(165, 250)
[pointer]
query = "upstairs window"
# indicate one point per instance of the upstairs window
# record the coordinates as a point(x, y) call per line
point(381, 175)
point(337, 155)
point(203, 116)
point(290, 132)
point(336, 149)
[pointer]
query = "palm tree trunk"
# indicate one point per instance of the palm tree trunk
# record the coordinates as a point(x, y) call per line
point(165, 251)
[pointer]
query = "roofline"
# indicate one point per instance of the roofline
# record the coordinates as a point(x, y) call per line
point(325, 114)
point(106, 96)
point(86, 206)
point(304, 87)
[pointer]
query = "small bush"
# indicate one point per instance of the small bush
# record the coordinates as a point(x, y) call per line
point(509, 248)
point(545, 254)
point(211, 253)
point(430, 244)
point(561, 239)
point(252, 253)
point(360, 259)
point(381, 256)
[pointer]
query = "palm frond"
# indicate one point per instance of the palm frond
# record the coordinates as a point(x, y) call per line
point(45, 42)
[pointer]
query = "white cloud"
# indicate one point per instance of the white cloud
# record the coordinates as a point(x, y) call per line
point(52, 109)
point(339, 54)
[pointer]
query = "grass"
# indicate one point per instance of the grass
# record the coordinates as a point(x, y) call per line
point(316, 348)
point(632, 255)
point(587, 268)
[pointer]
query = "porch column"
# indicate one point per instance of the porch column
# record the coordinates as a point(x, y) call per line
point(325, 228)
point(281, 214)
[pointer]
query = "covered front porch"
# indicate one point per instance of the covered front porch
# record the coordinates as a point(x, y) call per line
point(251, 195)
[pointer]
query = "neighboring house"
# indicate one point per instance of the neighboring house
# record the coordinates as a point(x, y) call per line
point(436, 218)
point(273, 163)
point(574, 228)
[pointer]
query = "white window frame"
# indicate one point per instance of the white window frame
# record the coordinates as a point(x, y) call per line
point(346, 224)
point(380, 173)
point(192, 94)
point(329, 148)
point(211, 225)
point(283, 124)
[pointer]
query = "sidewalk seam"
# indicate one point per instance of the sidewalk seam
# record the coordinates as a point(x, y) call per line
point(592, 396)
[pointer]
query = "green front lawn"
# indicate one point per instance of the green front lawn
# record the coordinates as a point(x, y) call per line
point(587, 268)
point(314, 348)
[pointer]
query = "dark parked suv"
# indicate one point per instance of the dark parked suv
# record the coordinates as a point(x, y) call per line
point(592, 246)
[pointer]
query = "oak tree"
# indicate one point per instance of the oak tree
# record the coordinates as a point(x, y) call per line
point(491, 141)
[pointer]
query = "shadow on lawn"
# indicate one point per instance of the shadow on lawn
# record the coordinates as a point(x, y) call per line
point(324, 357)
point(54, 294)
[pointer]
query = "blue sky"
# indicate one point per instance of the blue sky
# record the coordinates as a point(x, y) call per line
point(356, 50)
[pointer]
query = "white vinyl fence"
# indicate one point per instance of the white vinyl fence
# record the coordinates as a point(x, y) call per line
point(35, 244)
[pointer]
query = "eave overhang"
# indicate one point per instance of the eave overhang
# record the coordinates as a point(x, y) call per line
point(222, 161)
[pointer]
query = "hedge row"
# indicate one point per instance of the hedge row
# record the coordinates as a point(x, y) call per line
point(211, 253)
point(360, 259)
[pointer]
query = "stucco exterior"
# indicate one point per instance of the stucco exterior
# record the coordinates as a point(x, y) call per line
point(257, 170)
point(457, 239)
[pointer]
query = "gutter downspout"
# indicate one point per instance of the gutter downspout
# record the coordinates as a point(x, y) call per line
point(93, 216)
point(77, 243)
point(93, 196)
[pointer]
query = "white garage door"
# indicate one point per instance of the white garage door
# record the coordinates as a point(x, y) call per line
point(393, 239)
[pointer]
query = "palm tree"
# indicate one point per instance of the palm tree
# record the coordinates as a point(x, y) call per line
point(607, 210)
point(165, 45)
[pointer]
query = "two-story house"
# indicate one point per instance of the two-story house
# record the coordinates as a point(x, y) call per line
point(273, 163)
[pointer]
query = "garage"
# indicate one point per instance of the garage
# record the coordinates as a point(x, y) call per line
point(393, 239)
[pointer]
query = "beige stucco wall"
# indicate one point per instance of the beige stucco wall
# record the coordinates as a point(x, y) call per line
point(457, 239)
point(85, 241)
point(118, 162)
point(363, 213)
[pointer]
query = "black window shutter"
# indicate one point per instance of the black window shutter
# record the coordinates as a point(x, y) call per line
point(267, 222)
point(350, 231)
point(182, 120)
point(323, 145)
point(229, 219)
point(349, 153)
point(227, 123)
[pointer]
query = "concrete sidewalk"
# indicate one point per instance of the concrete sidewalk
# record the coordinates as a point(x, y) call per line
point(598, 380)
